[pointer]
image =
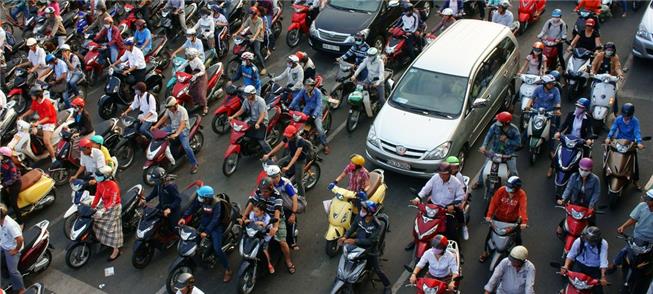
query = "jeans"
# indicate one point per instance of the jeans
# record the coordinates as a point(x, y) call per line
point(113, 53)
point(271, 40)
point(373, 261)
point(183, 139)
point(72, 89)
point(12, 267)
point(20, 8)
point(182, 20)
point(216, 238)
point(145, 129)
point(256, 45)
point(320, 129)
point(512, 168)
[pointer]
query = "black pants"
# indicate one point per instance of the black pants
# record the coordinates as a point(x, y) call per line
point(309, 73)
point(259, 136)
point(593, 272)
point(136, 76)
point(636, 172)
point(291, 228)
point(10, 196)
point(411, 42)
point(373, 261)
point(481, 8)
point(561, 57)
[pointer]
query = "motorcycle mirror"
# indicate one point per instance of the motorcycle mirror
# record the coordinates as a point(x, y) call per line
point(555, 264)
point(412, 190)
point(393, 3)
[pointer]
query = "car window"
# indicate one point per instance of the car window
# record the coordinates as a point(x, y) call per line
point(358, 5)
point(481, 80)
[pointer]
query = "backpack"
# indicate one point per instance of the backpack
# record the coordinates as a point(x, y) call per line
point(225, 206)
point(287, 202)
point(309, 150)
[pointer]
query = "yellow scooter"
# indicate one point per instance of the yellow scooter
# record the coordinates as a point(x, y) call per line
point(340, 209)
point(36, 192)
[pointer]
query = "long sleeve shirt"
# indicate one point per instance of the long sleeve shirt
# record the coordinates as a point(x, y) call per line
point(589, 255)
point(211, 214)
point(409, 23)
point(505, 19)
point(206, 26)
point(168, 196)
point(10, 174)
point(357, 51)
point(443, 193)
point(134, 58)
point(508, 209)
point(375, 70)
point(250, 75)
point(109, 192)
point(622, 130)
point(497, 146)
point(312, 102)
point(82, 122)
point(367, 233)
point(547, 99)
point(585, 193)
point(146, 103)
point(507, 279)
point(441, 267)
point(552, 30)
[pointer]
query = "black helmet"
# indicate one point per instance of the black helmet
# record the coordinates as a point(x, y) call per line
point(184, 280)
point(157, 174)
point(408, 7)
point(610, 45)
point(36, 90)
point(628, 109)
point(266, 184)
point(591, 235)
point(439, 242)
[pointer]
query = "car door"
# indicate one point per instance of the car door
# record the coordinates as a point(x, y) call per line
point(474, 116)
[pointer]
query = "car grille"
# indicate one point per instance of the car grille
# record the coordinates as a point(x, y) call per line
point(332, 36)
point(410, 153)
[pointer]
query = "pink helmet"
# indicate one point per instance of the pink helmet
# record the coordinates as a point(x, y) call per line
point(6, 151)
point(586, 163)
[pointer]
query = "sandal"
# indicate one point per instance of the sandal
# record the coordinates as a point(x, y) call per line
point(291, 268)
point(270, 268)
point(205, 111)
point(483, 257)
point(294, 247)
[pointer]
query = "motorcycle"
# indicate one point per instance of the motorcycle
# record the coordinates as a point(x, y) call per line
point(341, 211)
point(242, 44)
point(36, 254)
point(619, 160)
point(605, 11)
point(94, 64)
point(299, 24)
point(396, 50)
point(551, 52)
point(577, 282)
point(538, 132)
point(19, 92)
point(305, 123)
point(361, 100)
point(526, 95)
point(28, 143)
point(343, 86)
point(128, 142)
point(501, 241)
point(530, 12)
point(8, 117)
point(579, 25)
point(636, 267)
point(151, 235)
point(127, 22)
point(169, 155)
point(604, 90)
point(36, 192)
point(80, 196)
point(578, 72)
point(495, 173)
point(430, 285)
point(181, 89)
point(254, 260)
point(159, 54)
point(67, 158)
point(566, 159)
point(575, 222)
point(230, 105)
point(169, 22)
point(431, 220)
point(117, 94)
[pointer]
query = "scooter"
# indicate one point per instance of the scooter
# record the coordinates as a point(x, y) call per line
point(181, 89)
point(604, 91)
point(637, 267)
point(431, 220)
point(67, 159)
point(241, 44)
point(19, 92)
point(36, 191)
point(551, 52)
point(605, 11)
point(128, 142)
point(169, 155)
point(577, 282)
point(495, 173)
point(150, 235)
point(8, 117)
point(169, 21)
point(583, 16)
point(305, 124)
point(160, 54)
point(430, 285)
point(530, 12)
point(538, 132)
point(36, 254)
point(299, 24)
point(343, 86)
point(576, 220)
point(577, 74)
point(118, 96)
point(501, 241)
point(619, 160)
point(565, 161)
point(29, 146)
point(526, 95)
point(341, 211)
point(80, 196)
point(360, 101)
point(396, 50)
point(94, 64)
point(254, 262)
point(127, 22)
point(230, 105)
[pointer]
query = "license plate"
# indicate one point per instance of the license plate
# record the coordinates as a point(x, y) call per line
point(399, 164)
point(331, 47)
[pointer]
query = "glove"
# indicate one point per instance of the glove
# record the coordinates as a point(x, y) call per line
point(331, 185)
point(362, 195)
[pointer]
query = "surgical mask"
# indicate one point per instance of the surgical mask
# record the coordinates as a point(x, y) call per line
point(106, 26)
point(99, 178)
point(189, 38)
point(584, 173)
point(609, 53)
point(359, 42)
point(138, 92)
point(510, 189)
point(555, 20)
point(579, 111)
point(363, 213)
point(372, 58)
point(437, 251)
point(289, 64)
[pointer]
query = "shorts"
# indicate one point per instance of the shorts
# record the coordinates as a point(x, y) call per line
point(47, 127)
point(281, 233)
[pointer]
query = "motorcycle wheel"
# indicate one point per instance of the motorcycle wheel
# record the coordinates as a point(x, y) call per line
point(108, 110)
point(142, 257)
point(78, 255)
point(352, 120)
point(173, 275)
point(232, 67)
point(276, 29)
point(246, 281)
point(125, 156)
point(47, 256)
point(21, 103)
point(8, 27)
point(522, 27)
point(230, 164)
point(331, 248)
point(292, 38)
point(196, 142)
point(614, 199)
point(60, 176)
point(312, 176)
point(68, 224)
point(532, 158)
point(220, 124)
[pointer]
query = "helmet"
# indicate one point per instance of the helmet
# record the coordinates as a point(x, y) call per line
point(293, 58)
point(157, 174)
point(64, 47)
point(610, 45)
point(85, 142)
point(49, 58)
point(505, 4)
point(407, 6)
point(583, 102)
point(586, 163)
point(247, 55)
point(191, 32)
point(372, 51)
point(649, 195)
point(443, 167)
point(139, 22)
point(357, 159)
point(250, 90)
point(97, 139)
point(191, 53)
point(266, 184)
point(290, 131)
point(129, 42)
point(309, 81)
point(590, 22)
point(205, 11)
point(361, 34)
point(253, 10)
point(205, 192)
point(215, 8)
point(548, 79)
point(513, 184)
point(78, 102)
point(30, 42)
point(555, 74)
point(538, 45)
point(184, 280)
point(36, 90)
point(592, 235)
point(504, 117)
point(49, 10)
point(301, 55)
point(447, 11)
point(104, 171)
point(6, 151)
point(556, 13)
point(628, 109)
point(272, 170)
point(519, 253)
point(370, 206)
point(171, 101)
point(439, 242)
point(452, 160)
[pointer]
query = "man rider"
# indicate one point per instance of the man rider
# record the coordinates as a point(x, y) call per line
point(142, 36)
point(642, 217)
point(547, 96)
point(503, 15)
point(178, 9)
point(59, 69)
point(607, 61)
point(359, 51)
point(179, 127)
point(54, 26)
point(211, 223)
point(367, 230)
point(447, 20)
point(290, 202)
point(359, 176)
point(249, 72)
point(11, 243)
point(312, 100)
point(81, 118)
point(454, 169)
point(375, 73)
point(505, 139)
point(192, 42)
point(514, 274)
point(294, 75)
point(169, 201)
point(409, 23)
point(257, 30)
point(111, 34)
point(296, 158)
point(257, 115)
point(577, 123)
point(556, 29)
point(185, 284)
point(626, 126)
point(589, 255)
point(133, 63)
point(145, 102)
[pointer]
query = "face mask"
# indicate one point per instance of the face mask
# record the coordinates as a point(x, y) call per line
point(138, 93)
point(537, 51)
point(99, 178)
point(510, 190)
point(437, 251)
point(189, 38)
point(579, 111)
point(584, 173)
point(363, 213)
point(359, 42)
point(609, 53)
point(106, 26)
point(372, 58)
point(555, 20)
point(289, 64)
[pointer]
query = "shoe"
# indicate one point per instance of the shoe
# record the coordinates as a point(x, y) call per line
point(264, 72)
point(112, 259)
point(410, 246)
point(227, 276)
point(194, 169)
point(549, 173)
point(465, 233)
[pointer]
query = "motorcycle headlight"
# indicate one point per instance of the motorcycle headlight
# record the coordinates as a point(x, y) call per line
point(372, 138)
point(296, 117)
point(431, 212)
point(110, 71)
point(190, 251)
point(251, 232)
point(389, 49)
point(237, 128)
point(313, 30)
point(354, 254)
point(643, 33)
point(538, 123)
point(429, 290)
point(577, 214)
point(438, 152)
point(621, 148)
point(140, 234)
point(570, 144)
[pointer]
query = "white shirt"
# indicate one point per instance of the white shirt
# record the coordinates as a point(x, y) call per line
point(9, 231)
point(195, 291)
point(3, 38)
point(3, 99)
point(197, 65)
point(374, 69)
point(507, 280)
point(206, 26)
point(134, 58)
point(94, 161)
point(294, 75)
point(145, 104)
point(506, 19)
point(442, 193)
point(409, 22)
point(36, 57)
point(439, 268)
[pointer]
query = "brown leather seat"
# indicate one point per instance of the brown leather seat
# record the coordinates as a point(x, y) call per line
point(375, 183)
point(29, 179)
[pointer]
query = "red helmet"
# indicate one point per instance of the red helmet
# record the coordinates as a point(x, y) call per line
point(290, 131)
point(83, 143)
point(590, 22)
point(504, 117)
point(300, 55)
point(78, 102)
point(439, 242)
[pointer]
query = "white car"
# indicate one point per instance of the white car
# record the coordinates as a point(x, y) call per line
point(643, 43)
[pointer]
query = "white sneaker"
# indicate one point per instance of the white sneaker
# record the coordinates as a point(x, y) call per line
point(465, 233)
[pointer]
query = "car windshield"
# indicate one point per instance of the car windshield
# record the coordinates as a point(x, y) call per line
point(430, 92)
point(358, 5)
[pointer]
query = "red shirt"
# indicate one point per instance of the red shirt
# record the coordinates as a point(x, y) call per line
point(45, 109)
point(507, 209)
point(109, 191)
point(592, 5)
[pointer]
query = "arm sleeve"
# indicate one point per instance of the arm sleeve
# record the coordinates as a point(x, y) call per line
point(596, 192)
point(573, 252)
point(545, 28)
point(514, 139)
point(604, 254)
point(349, 53)
point(613, 128)
point(153, 194)
point(318, 107)
point(152, 104)
point(493, 203)
point(352, 228)
point(371, 240)
point(636, 129)
point(135, 103)
point(194, 206)
point(239, 73)
point(523, 209)
point(426, 190)
point(488, 136)
point(174, 194)
point(565, 123)
point(215, 217)
point(281, 76)
point(530, 281)
point(496, 276)
point(296, 99)
point(361, 67)
point(423, 260)
point(570, 187)
point(300, 80)
point(453, 266)
point(460, 193)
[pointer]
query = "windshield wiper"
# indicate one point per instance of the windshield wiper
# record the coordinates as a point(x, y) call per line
point(424, 111)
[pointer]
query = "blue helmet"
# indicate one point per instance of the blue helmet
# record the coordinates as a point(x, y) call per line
point(49, 58)
point(556, 13)
point(513, 184)
point(555, 74)
point(628, 109)
point(370, 206)
point(77, 184)
point(583, 102)
point(205, 192)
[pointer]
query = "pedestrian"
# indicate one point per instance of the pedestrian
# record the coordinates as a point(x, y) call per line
point(515, 274)
point(11, 182)
point(11, 242)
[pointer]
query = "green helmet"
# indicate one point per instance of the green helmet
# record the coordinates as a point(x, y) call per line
point(452, 160)
point(97, 139)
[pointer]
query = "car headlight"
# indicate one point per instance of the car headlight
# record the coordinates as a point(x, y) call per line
point(372, 138)
point(439, 152)
point(312, 29)
point(643, 33)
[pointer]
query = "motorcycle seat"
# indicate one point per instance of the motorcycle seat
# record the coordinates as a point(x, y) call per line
point(156, 42)
point(104, 127)
point(30, 178)
point(375, 183)
point(212, 70)
point(62, 116)
point(29, 236)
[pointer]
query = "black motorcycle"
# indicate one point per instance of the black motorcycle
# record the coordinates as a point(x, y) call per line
point(128, 142)
point(637, 268)
point(254, 262)
point(118, 95)
point(169, 22)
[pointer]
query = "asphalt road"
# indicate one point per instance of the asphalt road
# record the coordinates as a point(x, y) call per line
point(316, 271)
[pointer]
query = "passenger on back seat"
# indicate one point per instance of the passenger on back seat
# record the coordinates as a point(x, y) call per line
point(11, 182)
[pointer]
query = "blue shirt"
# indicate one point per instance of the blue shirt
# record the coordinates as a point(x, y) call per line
point(141, 37)
point(644, 225)
point(508, 147)
point(312, 103)
point(197, 45)
point(547, 99)
point(249, 74)
point(211, 214)
point(357, 51)
point(622, 130)
point(285, 186)
point(585, 194)
point(59, 68)
point(589, 255)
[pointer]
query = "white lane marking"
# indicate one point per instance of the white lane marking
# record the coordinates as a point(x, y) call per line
point(404, 276)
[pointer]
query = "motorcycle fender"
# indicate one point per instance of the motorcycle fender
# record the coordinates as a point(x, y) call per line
point(72, 209)
point(569, 240)
point(147, 164)
point(233, 148)
point(15, 91)
point(599, 112)
point(244, 265)
point(524, 17)
point(104, 100)
point(153, 80)
point(293, 26)
point(337, 285)
point(420, 248)
point(138, 243)
point(616, 184)
point(221, 109)
point(334, 232)
point(71, 244)
point(182, 261)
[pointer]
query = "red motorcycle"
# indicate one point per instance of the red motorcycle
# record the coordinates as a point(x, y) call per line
point(577, 219)
point(35, 255)
point(93, 63)
point(127, 23)
point(579, 283)
point(551, 52)
point(181, 89)
point(162, 152)
point(67, 159)
point(395, 48)
point(530, 12)
point(299, 24)
point(430, 221)
point(430, 285)
point(230, 105)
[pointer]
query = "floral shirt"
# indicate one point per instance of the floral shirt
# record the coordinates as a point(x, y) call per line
point(358, 179)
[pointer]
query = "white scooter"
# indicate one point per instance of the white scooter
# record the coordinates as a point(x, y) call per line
point(80, 196)
point(538, 132)
point(25, 140)
point(604, 89)
point(526, 93)
point(502, 239)
point(8, 117)
point(577, 73)
point(495, 173)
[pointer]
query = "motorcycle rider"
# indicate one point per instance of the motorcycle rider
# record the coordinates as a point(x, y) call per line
point(82, 119)
point(447, 20)
point(220, 23)
point(210, 223)
point(286, 190)
point(375, 73)
point(607, 61)
point(111, 34)
point(454, 169)
point(642, 217)
point(358, 51)
point(133, 62)
point(178, 9)
point(35, 59)
point(47, 117)
point(179, 127)
point(307, 65)
point(90, 160)
point(75, 73)
point(442, 263)
point(367, 230)
point(556, 28)
point(535, 61)
point(592, 5)
point(108, 224)
point(54, 26)
point(261, 219)
point(257, 30)
point(145, 102)
point(98, 21)
point(457, 7)
point(312, 100)
point(296, 158)
point(503, 15)
point(142, 36)
point(359, 176)
point(589, 255)
point(257, 114)
point(206, 25)
point(97, 142)
point(199, 82)
point(57, 81)
point(249, 72)
point(266, 9)
point(583, 188)
point(547, 96)
point(514, 274)
point(11, 182)
point(294, 74)
point(504, 138)
point(186, 284)
point(589, 39)
point(409, 23)
point(578, 124)
point(508, 204)
point(192, 42)
point(626, 126)
point(11, 243)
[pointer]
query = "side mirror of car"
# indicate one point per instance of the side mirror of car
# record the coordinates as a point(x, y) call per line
point(480, 103)
point(393, 3)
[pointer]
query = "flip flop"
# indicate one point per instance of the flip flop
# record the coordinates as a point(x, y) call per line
point(295, 247)
point(291, 269)
point(271, 268)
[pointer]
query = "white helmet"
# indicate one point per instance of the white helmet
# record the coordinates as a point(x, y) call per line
point(105, 170)
point(30, 42)
point(247, 56)
point(171, 101)
point(447, 12)
point(273, 170)
point(519, 252)
point(372, 51)
point(548, 79)
point(249, 89)
point(505, 4)
point(49, 10)
point(191, 32)
point(64, 47)
point(192, 53)
point(293, 58)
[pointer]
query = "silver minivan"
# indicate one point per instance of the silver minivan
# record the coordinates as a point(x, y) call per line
point(442, 103)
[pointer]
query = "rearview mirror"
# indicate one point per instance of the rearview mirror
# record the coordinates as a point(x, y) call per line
point(479, 103)
point(393, 3)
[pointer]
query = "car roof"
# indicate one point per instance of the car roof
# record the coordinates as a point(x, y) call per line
point(452, 51)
